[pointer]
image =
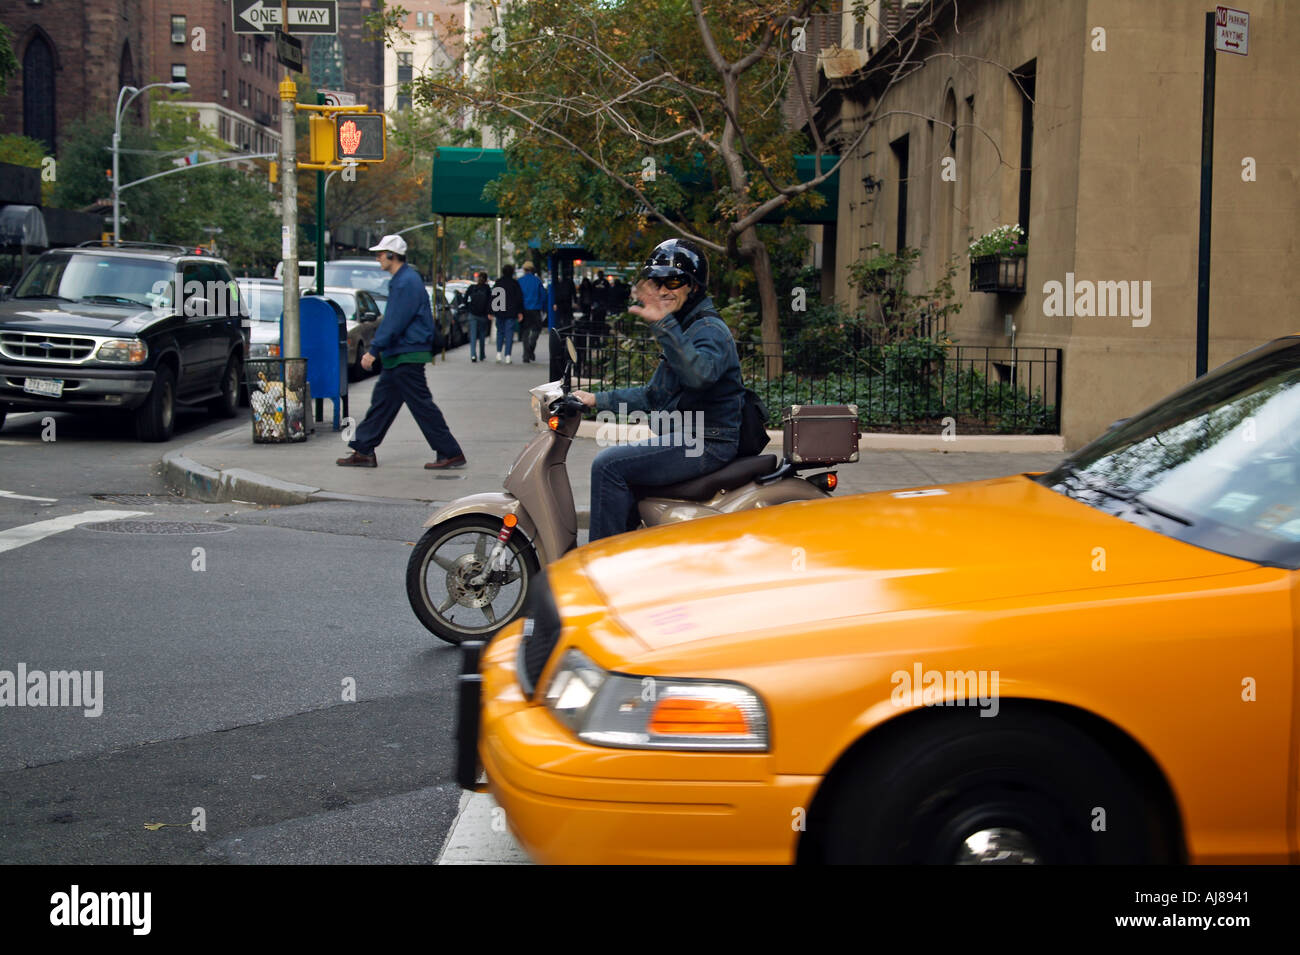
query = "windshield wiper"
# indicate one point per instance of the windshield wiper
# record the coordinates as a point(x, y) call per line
point(58, 297)
point(114, 299)
point(1126, 495)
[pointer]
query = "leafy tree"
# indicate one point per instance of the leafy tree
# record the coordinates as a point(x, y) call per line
point(8, 62)
point(25, 151)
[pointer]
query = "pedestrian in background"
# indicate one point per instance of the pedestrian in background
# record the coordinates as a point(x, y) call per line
point(478, 301)
point(404, 344)
point(534, 304)
point(507, 309)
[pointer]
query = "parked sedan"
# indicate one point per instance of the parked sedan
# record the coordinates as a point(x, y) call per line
point(363, 312)
point(266, 307)
point(1091, 665)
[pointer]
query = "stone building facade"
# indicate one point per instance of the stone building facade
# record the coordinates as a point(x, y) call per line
point(1081, 121)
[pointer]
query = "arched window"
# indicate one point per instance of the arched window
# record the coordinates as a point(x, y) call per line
point(38, 91)
point(125, 68)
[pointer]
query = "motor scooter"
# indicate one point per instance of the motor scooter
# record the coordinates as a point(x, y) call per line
point(468, 575)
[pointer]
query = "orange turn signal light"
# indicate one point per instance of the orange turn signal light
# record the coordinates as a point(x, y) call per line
point(684, 717)
point(553, 422)
point(832, 481)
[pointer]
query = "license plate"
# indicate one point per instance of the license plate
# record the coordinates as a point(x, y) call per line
point(50, 387)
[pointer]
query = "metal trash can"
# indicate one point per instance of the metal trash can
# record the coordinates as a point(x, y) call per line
point(277, 396)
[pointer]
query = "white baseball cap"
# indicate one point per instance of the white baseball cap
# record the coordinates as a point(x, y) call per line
point(390, 243)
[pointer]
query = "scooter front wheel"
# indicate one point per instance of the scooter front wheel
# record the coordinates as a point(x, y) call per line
point(452, 588)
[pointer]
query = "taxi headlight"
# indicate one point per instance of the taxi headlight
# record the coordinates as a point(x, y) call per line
point(131, 351)
point(617, 709)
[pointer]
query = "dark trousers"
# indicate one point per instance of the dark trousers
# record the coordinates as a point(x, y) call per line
point(528, 334)
point(404, 384)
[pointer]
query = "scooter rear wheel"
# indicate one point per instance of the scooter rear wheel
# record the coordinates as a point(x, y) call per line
point(447, 586)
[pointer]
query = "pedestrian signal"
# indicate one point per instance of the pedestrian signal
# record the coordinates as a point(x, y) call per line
point(360, 137)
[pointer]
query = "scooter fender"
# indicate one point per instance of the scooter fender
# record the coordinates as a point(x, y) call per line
point(496, 504)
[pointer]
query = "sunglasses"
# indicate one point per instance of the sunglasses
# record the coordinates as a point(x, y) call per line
point(673, 282)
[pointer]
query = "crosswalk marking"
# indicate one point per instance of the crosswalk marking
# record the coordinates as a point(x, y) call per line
point(16, 537)
point(27, 497)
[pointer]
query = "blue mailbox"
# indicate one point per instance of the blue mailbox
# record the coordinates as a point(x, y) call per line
point(323, 330)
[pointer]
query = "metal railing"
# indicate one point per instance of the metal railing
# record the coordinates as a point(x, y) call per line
point(914, 385)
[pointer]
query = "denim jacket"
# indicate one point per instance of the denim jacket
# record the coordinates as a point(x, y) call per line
point(699, 371)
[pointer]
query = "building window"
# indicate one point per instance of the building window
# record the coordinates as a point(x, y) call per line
point(1025, 78)
point(178, 29)
point(419, 19)
point(403, 80)
point(900, 151)
point(38, 91)
point(224, 88)
point(178, 72)
point(223, 34)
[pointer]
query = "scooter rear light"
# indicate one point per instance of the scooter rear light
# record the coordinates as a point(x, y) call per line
point(827, 481)
point(553, 422)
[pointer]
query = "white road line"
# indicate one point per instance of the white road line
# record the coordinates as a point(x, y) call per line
point(479, 836)
point(30, 533)
point(27, 497)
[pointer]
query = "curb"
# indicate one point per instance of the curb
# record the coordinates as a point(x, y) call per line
point(199, 482)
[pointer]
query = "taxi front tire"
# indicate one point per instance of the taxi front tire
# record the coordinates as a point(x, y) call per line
point(1014, 788)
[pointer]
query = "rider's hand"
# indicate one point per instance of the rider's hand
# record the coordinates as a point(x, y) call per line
point(586, 397)
point(653, 306)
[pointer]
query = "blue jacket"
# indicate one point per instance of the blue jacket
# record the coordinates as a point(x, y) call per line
point(408, 321)
point(534, 294)
point(700, 371)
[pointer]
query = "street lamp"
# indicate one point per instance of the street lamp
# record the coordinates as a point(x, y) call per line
point(178, 86)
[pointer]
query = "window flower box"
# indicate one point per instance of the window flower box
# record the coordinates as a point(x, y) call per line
point(998, 273)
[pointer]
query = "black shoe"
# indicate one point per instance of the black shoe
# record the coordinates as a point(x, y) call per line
point(358, 460)
point(442, 463)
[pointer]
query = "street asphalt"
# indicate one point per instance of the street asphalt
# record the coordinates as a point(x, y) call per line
point(489, 410)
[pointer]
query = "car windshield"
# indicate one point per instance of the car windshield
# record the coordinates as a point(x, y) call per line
point(366, 275)
point(1216, 465)
point(265, 302)
point(111, 280)
point(344, 301)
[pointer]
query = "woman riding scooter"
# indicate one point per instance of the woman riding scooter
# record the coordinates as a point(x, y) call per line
point(699, 378)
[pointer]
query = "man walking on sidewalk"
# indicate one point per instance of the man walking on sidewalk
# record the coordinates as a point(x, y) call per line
point(507, 310)
point(404, 343)
point(534, 303)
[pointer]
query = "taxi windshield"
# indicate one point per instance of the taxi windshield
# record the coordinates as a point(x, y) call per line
point(1216, 465)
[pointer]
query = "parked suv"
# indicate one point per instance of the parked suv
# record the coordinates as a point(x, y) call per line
point(97, 327)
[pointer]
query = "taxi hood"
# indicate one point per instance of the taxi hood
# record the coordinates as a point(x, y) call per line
point(875, 553)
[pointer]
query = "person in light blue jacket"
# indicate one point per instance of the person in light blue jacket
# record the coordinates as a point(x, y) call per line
point(534, 306)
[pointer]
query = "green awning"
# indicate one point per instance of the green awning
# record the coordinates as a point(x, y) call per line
point(460, 175)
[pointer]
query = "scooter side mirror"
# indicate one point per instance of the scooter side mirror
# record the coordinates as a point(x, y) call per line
point(568, 366)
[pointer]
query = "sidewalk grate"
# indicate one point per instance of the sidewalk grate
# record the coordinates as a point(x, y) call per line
point(135, 500)
point(158, 527)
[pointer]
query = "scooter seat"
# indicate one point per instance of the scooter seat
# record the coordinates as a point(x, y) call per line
point(738, 472)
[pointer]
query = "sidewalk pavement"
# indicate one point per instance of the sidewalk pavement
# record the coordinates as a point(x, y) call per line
point(489, 410)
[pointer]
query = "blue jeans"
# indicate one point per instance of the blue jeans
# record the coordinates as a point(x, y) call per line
point(617, 469)
point(505, 334)
point(404, 384)
point(478, 333)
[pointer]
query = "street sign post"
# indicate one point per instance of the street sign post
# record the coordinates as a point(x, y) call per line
point(288, 50)
point(305, 16)
point(1231, 31)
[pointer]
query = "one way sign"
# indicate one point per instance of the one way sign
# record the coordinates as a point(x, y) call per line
point(305, 16)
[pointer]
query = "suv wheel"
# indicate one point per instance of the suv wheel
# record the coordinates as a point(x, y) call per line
point(227, 406)
point(155, 418)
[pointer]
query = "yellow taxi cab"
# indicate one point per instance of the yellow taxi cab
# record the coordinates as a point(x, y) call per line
point(1097, 664)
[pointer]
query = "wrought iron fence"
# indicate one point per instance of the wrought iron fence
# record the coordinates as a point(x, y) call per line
point(911, 385)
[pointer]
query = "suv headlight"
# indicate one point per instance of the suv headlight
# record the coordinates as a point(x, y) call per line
point(132, 351)
point(617, 709)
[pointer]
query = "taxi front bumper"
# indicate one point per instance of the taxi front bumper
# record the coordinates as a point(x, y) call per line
point(569, 802)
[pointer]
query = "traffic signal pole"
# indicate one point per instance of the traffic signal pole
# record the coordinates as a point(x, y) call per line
point(289, 201)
